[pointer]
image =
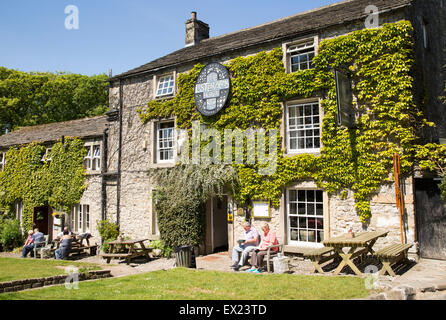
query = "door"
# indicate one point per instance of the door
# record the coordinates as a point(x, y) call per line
point(216, 225)
point(41, 219)
point(431, 219)
point(220, 224)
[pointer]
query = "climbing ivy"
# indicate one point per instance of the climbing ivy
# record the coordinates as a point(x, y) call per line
point(380, 62)
point(59, 182)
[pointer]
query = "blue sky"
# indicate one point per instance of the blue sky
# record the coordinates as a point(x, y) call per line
point(119, 34)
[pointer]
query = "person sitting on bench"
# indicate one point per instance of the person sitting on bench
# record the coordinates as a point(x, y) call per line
point(65, 246)
point(251, 241)
point(269, 239)
point(36, 237)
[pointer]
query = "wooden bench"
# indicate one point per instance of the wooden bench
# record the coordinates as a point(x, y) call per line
point(320, 256)
point(91, 250)
point(127, 256)
point(391, 255)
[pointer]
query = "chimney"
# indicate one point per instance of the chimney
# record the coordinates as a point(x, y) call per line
point(196, 30)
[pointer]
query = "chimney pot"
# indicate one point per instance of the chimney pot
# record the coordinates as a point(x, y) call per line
point(196, 30)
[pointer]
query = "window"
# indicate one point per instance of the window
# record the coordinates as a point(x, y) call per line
point(19, 211)
point(303, 127)
point(301, 55)
point(165, 141)
point(2, 161)
point(80, 218)
point(305, 216)
point(96, 158)
point(47, 156)
point(165, 86)
point(92, 160)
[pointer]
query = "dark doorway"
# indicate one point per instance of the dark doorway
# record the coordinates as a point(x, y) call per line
point(431, 219)
point(41, 219)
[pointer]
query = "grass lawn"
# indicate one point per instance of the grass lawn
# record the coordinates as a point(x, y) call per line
point(16, 269)
point(190, 284)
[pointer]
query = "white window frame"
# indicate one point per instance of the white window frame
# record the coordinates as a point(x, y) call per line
point(92, 161)
point(167, 78)
point(2, 160)
point(314, 216)
point(157, 142)
point(96, 159)
point(19, 212)
point(80, 218)
point(304, 127)
point(300, 47)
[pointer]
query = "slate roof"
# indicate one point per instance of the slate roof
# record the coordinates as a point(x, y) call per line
point(83, 128)
point(299, 24)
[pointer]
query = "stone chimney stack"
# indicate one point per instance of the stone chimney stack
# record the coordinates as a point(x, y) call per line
point(196, 30)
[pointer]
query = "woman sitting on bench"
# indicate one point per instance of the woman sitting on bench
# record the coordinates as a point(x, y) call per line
point(65, 246)
point(269, 239)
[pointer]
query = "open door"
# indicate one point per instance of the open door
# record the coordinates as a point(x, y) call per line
point(43, 220)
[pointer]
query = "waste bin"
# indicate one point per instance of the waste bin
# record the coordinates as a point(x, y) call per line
point(183, 256)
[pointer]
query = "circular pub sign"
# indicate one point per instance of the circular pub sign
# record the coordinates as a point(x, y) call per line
point(212, 89)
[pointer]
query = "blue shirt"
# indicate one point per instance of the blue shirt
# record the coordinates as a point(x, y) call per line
point(37, 237)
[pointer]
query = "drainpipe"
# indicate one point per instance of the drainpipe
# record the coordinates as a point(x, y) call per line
point(103, 172)
point(118, 184)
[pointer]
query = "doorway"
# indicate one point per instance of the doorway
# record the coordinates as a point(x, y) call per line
point(217, 225)
point(42, 220)
point(431, 219)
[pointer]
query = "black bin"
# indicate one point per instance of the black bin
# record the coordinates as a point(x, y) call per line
point(185, 256)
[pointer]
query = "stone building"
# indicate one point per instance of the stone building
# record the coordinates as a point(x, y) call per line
point(122, 190)
point(83, 216)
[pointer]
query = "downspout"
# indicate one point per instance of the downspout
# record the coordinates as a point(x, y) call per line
point(103, 172)
point(118, 184)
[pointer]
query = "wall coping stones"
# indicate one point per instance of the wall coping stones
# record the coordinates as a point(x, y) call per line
point(24, 284)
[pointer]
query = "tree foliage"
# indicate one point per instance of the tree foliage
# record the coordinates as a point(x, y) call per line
point(34, 98)
point(180, 199)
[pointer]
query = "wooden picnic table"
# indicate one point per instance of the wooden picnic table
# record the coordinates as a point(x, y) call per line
point(127, 249)
point(359, 246)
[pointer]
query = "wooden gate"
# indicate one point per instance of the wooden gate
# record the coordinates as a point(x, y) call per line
point(431, 219)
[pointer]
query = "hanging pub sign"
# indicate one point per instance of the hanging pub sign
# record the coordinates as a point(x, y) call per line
point(212, 89)
point(344, 96)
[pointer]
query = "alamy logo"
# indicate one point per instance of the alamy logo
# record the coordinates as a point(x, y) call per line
point(206, 145)
point(372, 20)
point(372, 278)
point(72, 20)
point(72, 280)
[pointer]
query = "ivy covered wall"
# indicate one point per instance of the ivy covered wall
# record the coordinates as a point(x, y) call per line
point(381, 62)
point(58, 183)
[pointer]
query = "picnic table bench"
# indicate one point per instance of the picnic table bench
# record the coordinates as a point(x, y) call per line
point(390, 255)
point(77, 246)
point(320, 256)
point(360, 246)
point(126, 249)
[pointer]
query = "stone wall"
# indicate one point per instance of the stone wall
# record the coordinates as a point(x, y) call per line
point(137, 156)
point(26, 284)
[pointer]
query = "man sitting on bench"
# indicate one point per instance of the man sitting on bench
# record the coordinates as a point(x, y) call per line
point(245, 247)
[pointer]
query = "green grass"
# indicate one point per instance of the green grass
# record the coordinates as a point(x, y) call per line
point(189, 284)
point(16, 269)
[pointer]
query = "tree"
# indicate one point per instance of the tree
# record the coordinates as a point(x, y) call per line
point(34, 98)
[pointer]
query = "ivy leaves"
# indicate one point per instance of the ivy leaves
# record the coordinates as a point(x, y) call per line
point(58, 183)
point(380, 61)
